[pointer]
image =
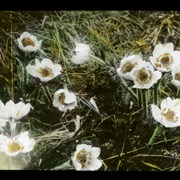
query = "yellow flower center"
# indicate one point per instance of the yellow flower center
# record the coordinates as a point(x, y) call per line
point(15, 146)
point(84, 158)
point(17, 113)
point(62, 98)
point(27, 42)
point(169, 115)
point(143, 76)
point(46, 72)
point(177, 76)
point(127, 67)
point(164, 60)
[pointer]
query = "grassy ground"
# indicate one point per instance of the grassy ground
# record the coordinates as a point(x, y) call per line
point(121, 131)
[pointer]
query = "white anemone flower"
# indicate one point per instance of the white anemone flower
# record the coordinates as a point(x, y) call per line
point(21, 143)
point(64, 100)
point(176, 75)
point(28, 42)
point(82, 53)
point(86, 158)
point(127, 65)
point(169, 112)
point(164, 57)
point(44, 70)
point(144, 75)
point(14, 111)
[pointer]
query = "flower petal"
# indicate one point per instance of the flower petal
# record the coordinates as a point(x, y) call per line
point(175, 69)
point(47, 62)
point(32, 70)
point(176, 83)
point(24, 35)
point(22, 110)
point(170, 124)
point(70, 106)
point(157, 75)
point(156, 112)
point(4, 112)
point(11, 108)
point(168, 102)
point(83, 146)
point(158, 50)
point(77, 165)
point(95, 151)
point(69, 97)
point(27, 142)
point(37, 64)
point(176, 57)
point(56, 101)
point(4, 140)
point(169, 47)
point(95, 164)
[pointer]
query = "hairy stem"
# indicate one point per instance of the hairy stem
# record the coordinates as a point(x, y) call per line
point(145, 105)
point(46, 93)
point(156, 90)
point(139, 98)
point(128, 89)
point(154, 135)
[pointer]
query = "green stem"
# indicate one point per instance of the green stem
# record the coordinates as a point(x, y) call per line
point(156, 89)
point(154, 135)
point(47, 93)
point(129, 89)
point(24, 82)
point(12, 127)
point(177, 93)
point(145, 107)
point(156, 94)
point(23, 77)
point(139, 98)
